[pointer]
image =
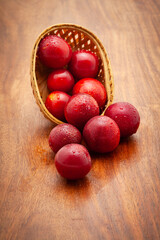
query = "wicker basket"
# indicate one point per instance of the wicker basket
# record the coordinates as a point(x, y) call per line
point(78, 38)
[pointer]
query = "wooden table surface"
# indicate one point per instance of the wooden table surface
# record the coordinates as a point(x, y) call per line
point(120, 197)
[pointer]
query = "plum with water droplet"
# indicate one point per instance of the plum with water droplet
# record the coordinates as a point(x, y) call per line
point(62, 135)
point(126, 116)
point(84, 64)
point(92, 87)
point(54, 52)
point(101, 134)
point(56, 102)
point(60, 80)
point(80, 108)
point(73, 161)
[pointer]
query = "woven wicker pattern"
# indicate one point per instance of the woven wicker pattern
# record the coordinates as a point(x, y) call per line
point(78, 38)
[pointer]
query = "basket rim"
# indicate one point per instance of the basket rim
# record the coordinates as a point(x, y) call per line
point(103, 54)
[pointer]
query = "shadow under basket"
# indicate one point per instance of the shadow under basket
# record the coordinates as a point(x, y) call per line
point(78, 38)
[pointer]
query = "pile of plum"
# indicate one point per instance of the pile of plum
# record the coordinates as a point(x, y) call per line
point(77, 98)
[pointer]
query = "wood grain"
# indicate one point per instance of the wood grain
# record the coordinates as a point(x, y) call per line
point(120, 197)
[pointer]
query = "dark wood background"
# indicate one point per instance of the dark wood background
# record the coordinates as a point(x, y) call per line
point(120, 197)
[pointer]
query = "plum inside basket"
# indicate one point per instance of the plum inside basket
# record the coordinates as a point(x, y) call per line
point(78, 38)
